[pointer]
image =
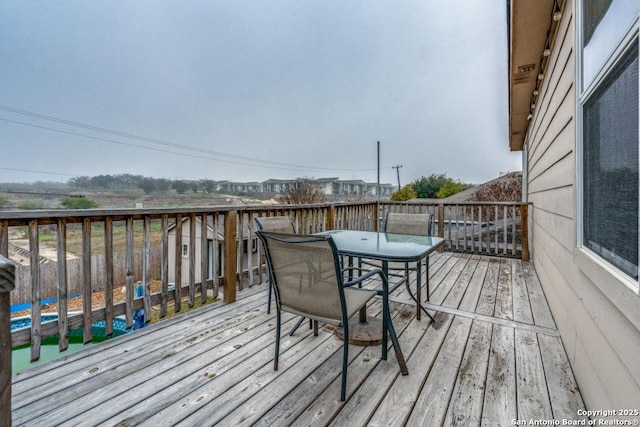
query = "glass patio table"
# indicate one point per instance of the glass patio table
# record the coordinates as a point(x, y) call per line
point(386, 248)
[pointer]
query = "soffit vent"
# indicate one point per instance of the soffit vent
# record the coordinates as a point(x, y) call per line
point(524, 74)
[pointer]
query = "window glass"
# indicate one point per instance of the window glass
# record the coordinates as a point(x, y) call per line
point(605, 23)
point(610, 166)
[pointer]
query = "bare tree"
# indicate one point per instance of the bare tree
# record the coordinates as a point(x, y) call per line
point(301, 192)
point(507, 188)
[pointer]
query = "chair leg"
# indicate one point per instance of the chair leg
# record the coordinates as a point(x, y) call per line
point(275, 360)
point(426, 267)
point(297, 325)
point(315, 328)
point(269, 303)
point(387, 327)
point(345, 361)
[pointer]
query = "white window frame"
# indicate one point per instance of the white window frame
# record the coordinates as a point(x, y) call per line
point(586, 256)
point(185, 250)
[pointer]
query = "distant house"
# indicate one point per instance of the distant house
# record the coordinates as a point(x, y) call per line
point(276, 186)
point(241, 187)
point(215, 253)
point(385, 189)
point(349, 188)
point(573, 102)
point(325, 185)
point(330, 187)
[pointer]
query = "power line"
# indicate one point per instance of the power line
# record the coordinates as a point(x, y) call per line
point(32, 171)
point(274, 164)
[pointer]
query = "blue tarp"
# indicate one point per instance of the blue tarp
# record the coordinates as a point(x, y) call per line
point(138, 315)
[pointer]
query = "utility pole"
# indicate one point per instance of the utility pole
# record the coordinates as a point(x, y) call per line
point(397, 168)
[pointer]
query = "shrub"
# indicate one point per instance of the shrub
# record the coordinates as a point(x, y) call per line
point(78, 203)
point(30, 205)
point(404, 193)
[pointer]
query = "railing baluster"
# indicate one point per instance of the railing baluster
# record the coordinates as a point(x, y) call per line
point(87, 335)
point(488, 240)
point(506, 236)
point(63, 285)
point(464, 228)
point(513, 231)
point(239, 245)
point(204, 258)
point(216, 255)
point(34, 252)
point(524, 230)
point(108, 275)
point(146, 269)
point(192, 259)
point(165, 265)
point(230, 252)
point(250, 236)
point(178, 265)
point(129, 275)
point(497, 229)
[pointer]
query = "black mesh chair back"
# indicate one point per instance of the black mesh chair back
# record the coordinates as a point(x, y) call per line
point(402, 223)
point(307, 280)
point(274, 224)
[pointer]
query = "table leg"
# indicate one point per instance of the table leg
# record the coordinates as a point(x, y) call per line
point(363, 330)
point(427, 273)
point(419, 288)
point(417, 296)
point(363, 311)
point(388, 325)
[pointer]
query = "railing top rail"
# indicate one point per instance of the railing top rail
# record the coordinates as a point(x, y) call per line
point(52, 216)
point(76, 215)
point(436, 202)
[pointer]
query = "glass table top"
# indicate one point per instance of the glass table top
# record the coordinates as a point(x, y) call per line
point(384, 246)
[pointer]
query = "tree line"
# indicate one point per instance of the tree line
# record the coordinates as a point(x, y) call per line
point(435, 186)
point(147, 184)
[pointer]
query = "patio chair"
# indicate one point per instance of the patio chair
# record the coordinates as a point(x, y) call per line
point(274, 224)
point(403, 223)
point(308, 281)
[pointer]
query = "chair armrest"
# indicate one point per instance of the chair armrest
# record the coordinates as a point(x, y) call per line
point(365, 276)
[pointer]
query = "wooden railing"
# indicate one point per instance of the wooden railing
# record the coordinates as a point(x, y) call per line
point(484, 228)
point(488, 228)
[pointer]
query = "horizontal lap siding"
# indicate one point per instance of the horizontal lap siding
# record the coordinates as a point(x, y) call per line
point(603, 346)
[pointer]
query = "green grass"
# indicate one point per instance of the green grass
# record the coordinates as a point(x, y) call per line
point(48, 236)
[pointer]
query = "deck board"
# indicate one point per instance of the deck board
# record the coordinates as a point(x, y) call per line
point(493, 355)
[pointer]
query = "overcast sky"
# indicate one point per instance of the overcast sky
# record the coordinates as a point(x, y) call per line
point(251, 90)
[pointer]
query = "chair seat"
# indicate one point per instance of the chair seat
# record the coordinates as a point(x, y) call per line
point(355, 299)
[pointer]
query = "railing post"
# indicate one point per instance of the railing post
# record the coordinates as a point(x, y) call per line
point(376, 217)
point(524, 230)
point(7, 284)
point(331, 217)
point(230, 256)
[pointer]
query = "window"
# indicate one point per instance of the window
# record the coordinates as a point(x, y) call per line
point(609, 133)
point(185, 250)
point(254, 245)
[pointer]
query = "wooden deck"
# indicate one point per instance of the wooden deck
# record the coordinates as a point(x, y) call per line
point(492, 356)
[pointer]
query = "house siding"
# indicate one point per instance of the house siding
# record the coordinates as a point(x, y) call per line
point(600, 333)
